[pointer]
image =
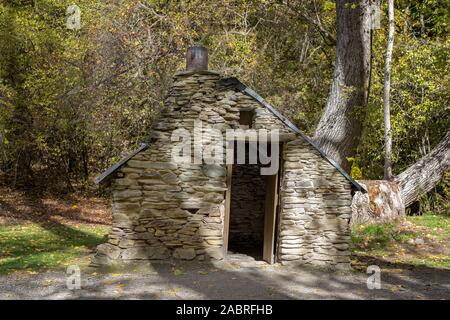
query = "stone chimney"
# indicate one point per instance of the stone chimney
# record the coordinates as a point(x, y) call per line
point(197, 59)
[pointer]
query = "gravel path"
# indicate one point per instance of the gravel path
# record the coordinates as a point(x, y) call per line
point(227, 280)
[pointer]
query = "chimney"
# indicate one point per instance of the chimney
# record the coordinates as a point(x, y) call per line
point(197, 58)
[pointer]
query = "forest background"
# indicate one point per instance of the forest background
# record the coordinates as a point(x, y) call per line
point(74, 100)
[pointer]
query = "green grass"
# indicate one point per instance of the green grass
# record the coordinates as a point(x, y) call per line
point(439, 224)
point(33, 248)
point(393, 241)
point(379, 236)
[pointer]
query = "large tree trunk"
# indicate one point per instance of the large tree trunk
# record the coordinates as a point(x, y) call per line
point(339, 129)
point(386, 201)
point(426, 173)
point(382, 203)
point(386, 96)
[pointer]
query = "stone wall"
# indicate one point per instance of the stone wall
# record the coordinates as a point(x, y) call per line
point(247, 207)
point(163, 209)
point(315, 209)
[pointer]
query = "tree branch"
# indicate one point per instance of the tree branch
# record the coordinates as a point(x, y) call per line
point(426, 173)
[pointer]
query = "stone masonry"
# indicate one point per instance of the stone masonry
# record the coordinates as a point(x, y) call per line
point(166, 210)
point(247, 206)
point(315, 209)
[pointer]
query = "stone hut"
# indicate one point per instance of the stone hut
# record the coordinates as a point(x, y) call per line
point(164, 208)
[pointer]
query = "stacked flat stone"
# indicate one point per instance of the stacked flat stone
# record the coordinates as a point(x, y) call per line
point(163, 209)
point(247, 206)
point(315, 209)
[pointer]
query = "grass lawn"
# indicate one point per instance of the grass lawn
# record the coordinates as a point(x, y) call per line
point(418, 241)
point(31, 247)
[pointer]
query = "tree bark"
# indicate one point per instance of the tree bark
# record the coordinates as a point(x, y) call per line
point(386, 201)
point(339, 130)
point(386, 96)
point(426, 173)
point(382, 203)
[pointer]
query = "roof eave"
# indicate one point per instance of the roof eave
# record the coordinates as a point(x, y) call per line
point(108, 172)
point(234, 82)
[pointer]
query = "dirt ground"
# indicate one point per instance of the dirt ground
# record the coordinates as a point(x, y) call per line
point(237, 278)
point(33, 206)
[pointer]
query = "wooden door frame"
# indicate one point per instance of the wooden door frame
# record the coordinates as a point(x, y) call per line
point(226, 220)
point(270, 218)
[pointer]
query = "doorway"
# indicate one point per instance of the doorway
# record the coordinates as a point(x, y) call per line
point(247, 209)
point(251, 212)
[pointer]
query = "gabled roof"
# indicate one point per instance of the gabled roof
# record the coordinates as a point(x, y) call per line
point(119, 164)
point(236, 84)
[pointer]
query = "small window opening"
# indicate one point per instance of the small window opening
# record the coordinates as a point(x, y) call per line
point(246, 119)
point(192, 210)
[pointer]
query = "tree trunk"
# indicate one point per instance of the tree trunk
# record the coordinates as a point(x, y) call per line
point(339, 129)
point(386, 201)
point(382, 203)
point(386, 96)
point(426, 173)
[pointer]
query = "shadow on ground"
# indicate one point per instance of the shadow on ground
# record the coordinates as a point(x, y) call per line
point(236, 278)
point(19, 207)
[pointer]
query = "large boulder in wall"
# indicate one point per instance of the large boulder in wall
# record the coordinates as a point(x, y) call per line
point(381, 204)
